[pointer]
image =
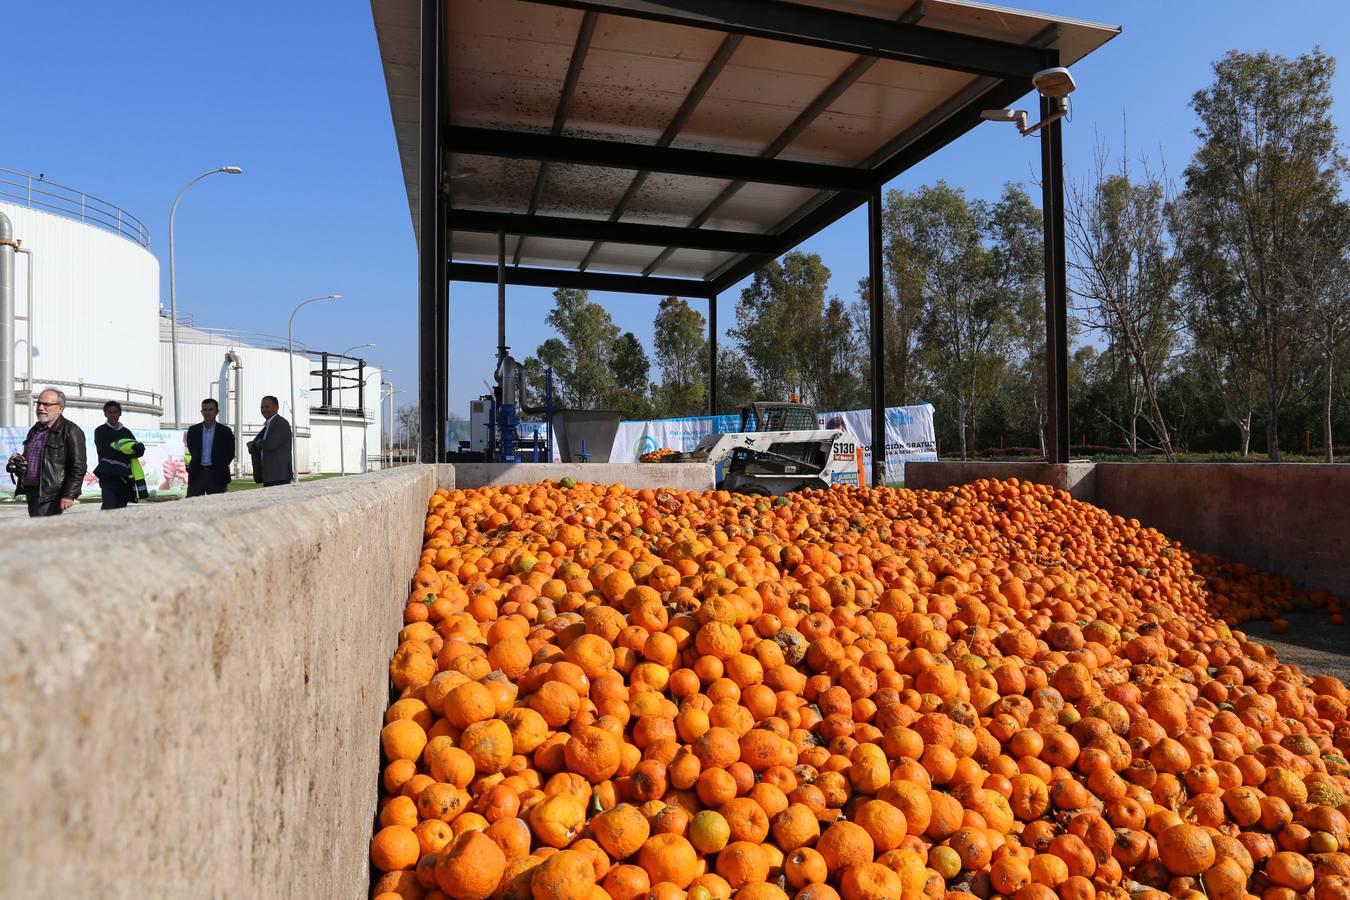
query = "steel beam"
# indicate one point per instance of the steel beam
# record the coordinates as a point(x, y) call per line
point(1056, 291)
point(432, 287)
point(832, 29)
point(679, 161)
point(876, 335)
point(611, 232)
point(712, 355)
point(587, 281)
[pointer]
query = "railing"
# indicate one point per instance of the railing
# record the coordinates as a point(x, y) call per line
point(38, 193)
point(95, 392)
point(225, 337)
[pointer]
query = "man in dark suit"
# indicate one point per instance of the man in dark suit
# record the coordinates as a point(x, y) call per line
point(271, 449)
point(210, 451)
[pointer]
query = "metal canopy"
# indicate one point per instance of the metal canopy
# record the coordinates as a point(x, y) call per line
point(676, 146)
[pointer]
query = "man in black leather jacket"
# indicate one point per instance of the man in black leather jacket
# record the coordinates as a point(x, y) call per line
point(53, 459)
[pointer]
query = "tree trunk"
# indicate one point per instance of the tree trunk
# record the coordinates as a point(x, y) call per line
point(1245, 429)
point(1326, 409)
point(961, 428)
point(1272, 423)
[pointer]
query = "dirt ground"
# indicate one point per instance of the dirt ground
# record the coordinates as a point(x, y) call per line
point(1312, 642)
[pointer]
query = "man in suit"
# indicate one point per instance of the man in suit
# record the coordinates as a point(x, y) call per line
point(271, 449)
point(210, 451)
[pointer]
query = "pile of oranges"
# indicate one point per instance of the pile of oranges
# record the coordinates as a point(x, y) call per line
point(657, 455)
point(866, 694)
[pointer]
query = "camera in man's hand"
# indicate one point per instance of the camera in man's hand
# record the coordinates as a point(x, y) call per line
point(17, 466)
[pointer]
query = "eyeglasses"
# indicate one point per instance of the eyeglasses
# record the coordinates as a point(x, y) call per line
point(55, 403)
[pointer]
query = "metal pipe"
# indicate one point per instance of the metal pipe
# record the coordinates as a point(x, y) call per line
point(7, 247)
point(290, 344)
point(238, 366)
point(876, 336)
point(173, 292)
point(342, 434)
point(29, 319)
point(501, 295)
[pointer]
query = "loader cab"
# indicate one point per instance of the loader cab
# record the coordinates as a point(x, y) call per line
point(761, 416)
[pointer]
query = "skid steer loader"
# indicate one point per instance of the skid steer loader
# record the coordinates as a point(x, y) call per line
point(780, 447)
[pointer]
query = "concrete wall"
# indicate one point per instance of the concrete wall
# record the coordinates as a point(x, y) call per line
point(1291, 519)
point(683, 476)
point(193, 691)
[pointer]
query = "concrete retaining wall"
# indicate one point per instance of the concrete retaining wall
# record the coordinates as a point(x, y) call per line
point(192, 692)
point(1291, 519)
point(683, 476)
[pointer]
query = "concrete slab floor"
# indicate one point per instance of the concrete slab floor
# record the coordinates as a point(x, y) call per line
point(1312, 643)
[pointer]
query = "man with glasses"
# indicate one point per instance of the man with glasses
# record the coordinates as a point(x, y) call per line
point(50, 470)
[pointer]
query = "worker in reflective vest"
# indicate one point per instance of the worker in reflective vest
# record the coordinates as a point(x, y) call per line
point(133, 450)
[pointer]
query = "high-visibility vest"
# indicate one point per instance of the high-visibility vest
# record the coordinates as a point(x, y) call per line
point(127, 447)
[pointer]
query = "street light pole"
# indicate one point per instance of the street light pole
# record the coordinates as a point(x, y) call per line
point(342, 437)
point(173, 289)
point(290, 344)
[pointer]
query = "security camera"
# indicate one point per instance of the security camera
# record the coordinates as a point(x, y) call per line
point(1019, 116)
point(1054, 83)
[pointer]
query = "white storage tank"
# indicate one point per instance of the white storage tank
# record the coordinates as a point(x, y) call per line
point(214, 362)
point(93, 328)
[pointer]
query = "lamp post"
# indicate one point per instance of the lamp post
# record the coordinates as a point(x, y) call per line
point(173, 289)
point(365, 429)
point(342, 437)
point(290, 344)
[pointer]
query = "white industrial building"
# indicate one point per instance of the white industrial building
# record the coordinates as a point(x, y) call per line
point(88, 321)
point(238, 369)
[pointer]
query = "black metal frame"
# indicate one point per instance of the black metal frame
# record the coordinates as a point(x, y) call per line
point(1005, 69)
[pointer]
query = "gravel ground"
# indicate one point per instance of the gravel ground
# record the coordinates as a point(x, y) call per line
point(1312, 642)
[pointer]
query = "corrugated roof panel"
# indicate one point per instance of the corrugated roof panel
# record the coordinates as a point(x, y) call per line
point(582, 191)
point(635, 78)
point(506, 62)
point(495, 185)
point(675, 200)
point(759, 205)
point(888, 99)
point(762, 90)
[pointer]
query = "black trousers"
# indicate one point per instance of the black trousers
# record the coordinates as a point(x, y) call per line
point(116, 492)
point(208, 480)
point(38, 507)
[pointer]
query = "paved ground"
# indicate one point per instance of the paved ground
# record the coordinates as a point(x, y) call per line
point(1312, 642)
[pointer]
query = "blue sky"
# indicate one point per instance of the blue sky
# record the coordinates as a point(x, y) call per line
point(130, 101)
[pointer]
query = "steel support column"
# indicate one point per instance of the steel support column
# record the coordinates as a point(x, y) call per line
point(876, 335)
point(432, 285)
point(1056, 290)
point(712, 355)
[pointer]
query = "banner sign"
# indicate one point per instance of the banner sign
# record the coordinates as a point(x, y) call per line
point(909, 435)
point(165, 471)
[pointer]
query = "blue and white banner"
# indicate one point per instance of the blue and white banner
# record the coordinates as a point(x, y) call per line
point(909, 435)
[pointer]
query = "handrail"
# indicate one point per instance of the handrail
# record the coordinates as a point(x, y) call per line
point(39, 193)
point(112, 391)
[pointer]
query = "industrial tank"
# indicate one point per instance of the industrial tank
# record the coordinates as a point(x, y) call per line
point(92, 330)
